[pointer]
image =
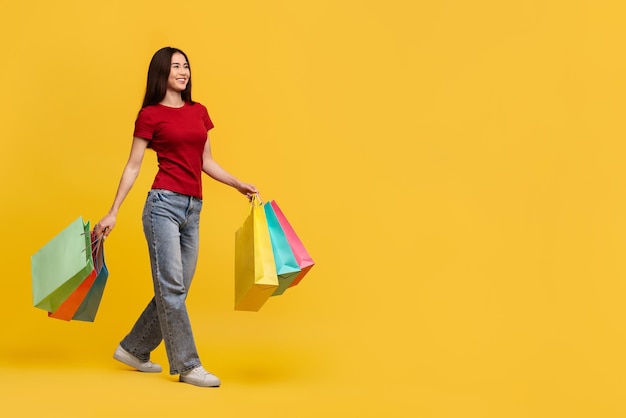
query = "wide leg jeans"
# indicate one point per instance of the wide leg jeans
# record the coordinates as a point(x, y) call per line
point(171, 224)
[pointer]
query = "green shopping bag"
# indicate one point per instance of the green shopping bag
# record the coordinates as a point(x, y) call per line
point(83, 303)
point(287, 267)
point(61, 265)
point(305, 262)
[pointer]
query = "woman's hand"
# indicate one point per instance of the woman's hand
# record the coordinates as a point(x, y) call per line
point(247, 189)
point(104, 227)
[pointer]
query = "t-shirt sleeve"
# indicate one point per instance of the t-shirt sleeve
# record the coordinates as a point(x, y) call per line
point(144, 125)
point(208, 124)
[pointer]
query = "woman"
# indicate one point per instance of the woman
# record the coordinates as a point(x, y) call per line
point(176, 128)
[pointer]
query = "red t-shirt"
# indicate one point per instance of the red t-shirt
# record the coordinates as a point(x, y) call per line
point(178, 136)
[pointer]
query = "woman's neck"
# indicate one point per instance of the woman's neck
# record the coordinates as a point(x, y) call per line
point(172, 99)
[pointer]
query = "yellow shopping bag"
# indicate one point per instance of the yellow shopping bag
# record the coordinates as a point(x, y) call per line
point(255, 271)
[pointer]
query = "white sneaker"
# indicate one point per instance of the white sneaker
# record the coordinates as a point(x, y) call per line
point(132, 361)
point(200, 377)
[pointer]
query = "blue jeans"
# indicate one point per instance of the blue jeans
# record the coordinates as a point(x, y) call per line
point(170, 222)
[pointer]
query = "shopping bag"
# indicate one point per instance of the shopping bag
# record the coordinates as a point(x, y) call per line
point(70, 306)
point(305, 262)
point(61, 265)
point(255, 272)
point(287, 268)
point(88, 309)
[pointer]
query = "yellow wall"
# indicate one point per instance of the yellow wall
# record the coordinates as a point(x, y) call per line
point(454, 167)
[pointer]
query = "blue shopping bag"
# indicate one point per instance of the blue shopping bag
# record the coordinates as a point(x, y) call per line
point(88, 309)
point(285, 261)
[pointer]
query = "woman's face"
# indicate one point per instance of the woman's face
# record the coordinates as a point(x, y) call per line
point(179, 73)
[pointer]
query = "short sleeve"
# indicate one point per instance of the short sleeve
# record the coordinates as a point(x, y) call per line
point(144, 125)
point(208, 124)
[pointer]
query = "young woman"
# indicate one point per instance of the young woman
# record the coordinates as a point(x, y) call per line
point(176, 128)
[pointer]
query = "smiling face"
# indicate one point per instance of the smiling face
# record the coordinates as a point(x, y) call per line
point(179, 73)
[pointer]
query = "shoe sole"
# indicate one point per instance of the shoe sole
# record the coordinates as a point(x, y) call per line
point(180, 379)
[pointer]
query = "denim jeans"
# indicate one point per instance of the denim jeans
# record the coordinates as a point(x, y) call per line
point(170, 222)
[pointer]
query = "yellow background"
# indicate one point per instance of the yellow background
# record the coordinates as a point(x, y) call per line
point(454, 167)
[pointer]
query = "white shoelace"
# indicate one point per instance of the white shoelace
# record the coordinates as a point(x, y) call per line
point(200, 371)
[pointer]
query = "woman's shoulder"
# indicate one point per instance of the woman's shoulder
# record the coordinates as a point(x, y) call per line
point(198, 105)
point(149, 110)
point(158, 109)
point(198, 108)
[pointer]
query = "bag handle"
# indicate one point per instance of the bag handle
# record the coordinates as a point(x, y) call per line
point(256, 197)
point(255, 200)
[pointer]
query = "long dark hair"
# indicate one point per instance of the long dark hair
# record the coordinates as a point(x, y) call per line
point(158, 73)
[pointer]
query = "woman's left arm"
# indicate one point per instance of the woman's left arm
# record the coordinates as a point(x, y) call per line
point(215, 171)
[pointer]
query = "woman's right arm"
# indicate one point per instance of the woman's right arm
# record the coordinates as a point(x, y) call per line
point(129, 175)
